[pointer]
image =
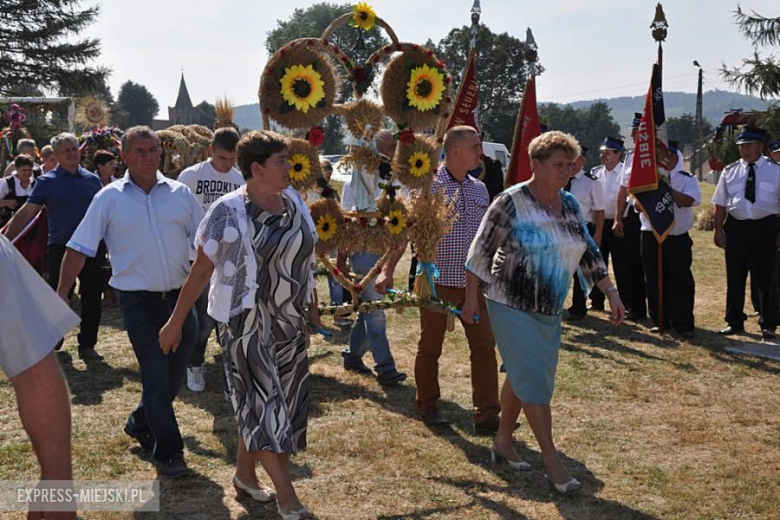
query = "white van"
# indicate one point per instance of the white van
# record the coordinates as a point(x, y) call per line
point(497, 152)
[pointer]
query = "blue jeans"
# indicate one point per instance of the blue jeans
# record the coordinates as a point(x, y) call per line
point(161, 374)
point(205, 325)
point(336, 291)
point(370, 328)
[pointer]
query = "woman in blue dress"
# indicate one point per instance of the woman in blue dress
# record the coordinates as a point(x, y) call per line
point(531, 241)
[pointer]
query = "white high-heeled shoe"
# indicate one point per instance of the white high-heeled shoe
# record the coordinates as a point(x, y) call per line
point(568, 488)
point(519, 465)
point(294, 515)
point(260, 495)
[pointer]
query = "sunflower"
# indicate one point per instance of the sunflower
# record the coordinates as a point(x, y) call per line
point(363, 16)
point(425, 88)
point(326, 227)
point(396, 221)
point(302, 87)
point(420, 164)
point(301, 167)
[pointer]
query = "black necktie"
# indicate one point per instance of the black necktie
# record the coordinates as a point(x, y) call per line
point(568, 185)
point(750, 185)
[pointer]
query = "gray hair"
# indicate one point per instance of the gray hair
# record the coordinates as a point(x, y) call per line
point(144, 132)
point(64, 137)
point(26, 142)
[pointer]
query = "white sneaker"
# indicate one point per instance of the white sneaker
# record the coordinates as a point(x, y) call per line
point(195, 379)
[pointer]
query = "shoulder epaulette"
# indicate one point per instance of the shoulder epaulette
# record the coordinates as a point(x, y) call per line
point(732, 164)
point(687, 174)
point(591, 175)
point(769, 159)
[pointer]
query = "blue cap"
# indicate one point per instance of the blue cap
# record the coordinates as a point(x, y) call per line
point(774, 146)
point(583, 150)
point(636, 121)
point(612, 143)
point(751, 134)
point(674, 146)
point(544, 128)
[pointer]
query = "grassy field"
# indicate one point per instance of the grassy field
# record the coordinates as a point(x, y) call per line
point(655, 428)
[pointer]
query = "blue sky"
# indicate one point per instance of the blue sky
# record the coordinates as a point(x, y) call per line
point(590, 48)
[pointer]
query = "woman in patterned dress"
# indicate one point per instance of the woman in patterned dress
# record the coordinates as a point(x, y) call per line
point(531, 241)
point(256, 245)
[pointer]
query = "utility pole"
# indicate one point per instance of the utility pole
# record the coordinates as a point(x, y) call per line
point(699, 143)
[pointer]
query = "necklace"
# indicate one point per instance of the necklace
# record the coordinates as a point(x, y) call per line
point(548, 206)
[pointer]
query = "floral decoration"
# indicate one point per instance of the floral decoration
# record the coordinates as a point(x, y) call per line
point(315, 136)
point(302, 87)
point(419, 164)
point(396, 222)
point(363, 16)
point(425, 88)
point(301, 167)
point(326, 227)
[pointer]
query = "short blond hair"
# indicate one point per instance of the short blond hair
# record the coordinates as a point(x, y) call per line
point(543, 146)
point(455, 136)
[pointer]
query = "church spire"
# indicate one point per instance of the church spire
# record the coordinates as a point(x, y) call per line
point(183, 99)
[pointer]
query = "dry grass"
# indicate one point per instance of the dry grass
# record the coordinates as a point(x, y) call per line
point(655, 428)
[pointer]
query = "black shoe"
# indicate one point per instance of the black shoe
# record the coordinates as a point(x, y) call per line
point(435, 418)
point(768, 334)
point(59, 344)
point(145, 439)
point(596, 307)
point(488, 427)
point(731, 329)
point(358, 367)
point(175, 467)
point(686, 333)
point(635, 316)
point(390, 377)
point(575, 316)
point(89, 354)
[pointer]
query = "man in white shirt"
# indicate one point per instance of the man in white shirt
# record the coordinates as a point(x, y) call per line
point(585, 188)
point(679, 286)
point(148, 223)
point(609, 175)
point(749, 193)
point(774, 151)
point(208, 181)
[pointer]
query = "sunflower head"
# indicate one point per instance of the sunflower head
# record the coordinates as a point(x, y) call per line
point(396, 221)
point(419, 164)
point(326, 227)
point(425, 88)
point(363, 16)
point(300, 167)
point(302, 87)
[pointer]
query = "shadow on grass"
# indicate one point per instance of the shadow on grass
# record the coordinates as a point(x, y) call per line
point(716, 344)
point(88, 386)
point(185, 497)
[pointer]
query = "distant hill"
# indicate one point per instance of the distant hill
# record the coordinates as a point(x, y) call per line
point(714, 104)
point(248, 116)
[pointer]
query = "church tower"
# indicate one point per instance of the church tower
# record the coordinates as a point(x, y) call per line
point(183, 113)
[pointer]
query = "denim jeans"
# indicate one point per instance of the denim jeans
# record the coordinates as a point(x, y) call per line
point(161, 374)
point(336, 291)
point(370, 328)
point(205, 325)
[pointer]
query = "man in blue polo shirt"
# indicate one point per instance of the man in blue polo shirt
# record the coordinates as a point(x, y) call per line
point(66, 192)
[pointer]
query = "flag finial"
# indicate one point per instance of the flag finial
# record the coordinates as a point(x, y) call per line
point(659, 25)
point(476, 10)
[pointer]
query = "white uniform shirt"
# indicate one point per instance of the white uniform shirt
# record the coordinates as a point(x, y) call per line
point(610, 185)
point(686, 184)
point(149, 235)
point(730, 192)
point(207, 184)
point(20, 192)
point(348, 197)
point(588, 193)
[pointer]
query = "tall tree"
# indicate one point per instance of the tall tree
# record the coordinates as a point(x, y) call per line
point(589, 125)
point(758, 75)
point(208, 113)
point(501, 74)
point(40, 45)
point(310, 23)
point(137, 103)
point(683, 129)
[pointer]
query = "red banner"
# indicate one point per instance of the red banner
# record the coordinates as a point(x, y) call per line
point(526, 129)
point(464, 111)
point(644, 176)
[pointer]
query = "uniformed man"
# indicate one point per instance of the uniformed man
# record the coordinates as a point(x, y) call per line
point(774, 151)
point(749, 193)
point(585, 188)
point(629, 228)
point(678, 284)
point(608, 176)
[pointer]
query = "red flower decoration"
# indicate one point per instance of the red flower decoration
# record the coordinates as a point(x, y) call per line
point(326, 42)
point(358, 287)
point(347, 220)
point(363, 221)
point(315, 136)
point(337, 272)
point(407, 136)
point(429, 53)
point(360, 75)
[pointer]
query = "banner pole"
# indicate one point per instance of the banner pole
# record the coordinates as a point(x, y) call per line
point(660, 287)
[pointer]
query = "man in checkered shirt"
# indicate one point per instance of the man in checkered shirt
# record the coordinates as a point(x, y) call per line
point(462, 149)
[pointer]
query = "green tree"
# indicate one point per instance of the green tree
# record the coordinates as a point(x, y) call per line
point(208, 113)
point(758, 75)
point(40, 46)
point(501, 75)
point(310, 23)
point(683, 129)
point(137, 103)
point(589, 125)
